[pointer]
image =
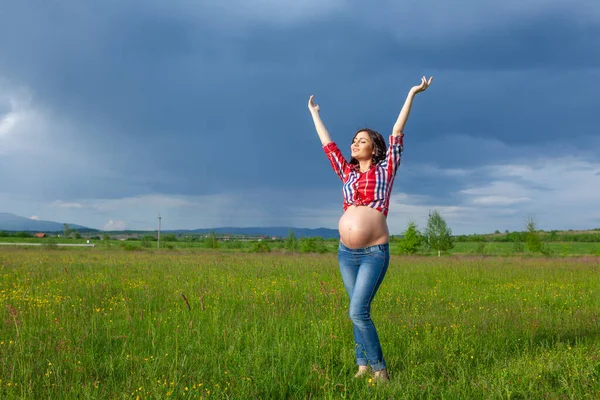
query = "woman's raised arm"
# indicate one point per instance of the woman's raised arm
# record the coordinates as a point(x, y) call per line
point(405, 112)
point(319, 126)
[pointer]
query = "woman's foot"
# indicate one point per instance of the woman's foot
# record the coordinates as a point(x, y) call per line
point(362, 371)
point(381, 376)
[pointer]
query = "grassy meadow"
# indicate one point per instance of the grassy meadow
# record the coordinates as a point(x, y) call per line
point(149, 324)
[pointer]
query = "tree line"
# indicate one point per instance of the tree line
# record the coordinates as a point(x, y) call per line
point(437, 236)
point(551, 236)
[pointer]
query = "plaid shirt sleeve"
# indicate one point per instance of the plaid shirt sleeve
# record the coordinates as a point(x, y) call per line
point(394, 154)
point(338, 162)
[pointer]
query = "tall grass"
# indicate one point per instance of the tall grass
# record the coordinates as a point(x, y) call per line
point(119, 325)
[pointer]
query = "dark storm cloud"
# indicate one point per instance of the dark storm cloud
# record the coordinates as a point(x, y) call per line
point(135, 98)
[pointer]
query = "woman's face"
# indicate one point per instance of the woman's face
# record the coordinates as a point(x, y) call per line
point(362, 146)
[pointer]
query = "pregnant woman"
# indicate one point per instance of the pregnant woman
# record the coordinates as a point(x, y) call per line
point(363, 252)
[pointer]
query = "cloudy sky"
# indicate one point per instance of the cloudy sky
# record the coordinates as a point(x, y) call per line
point(113, 112)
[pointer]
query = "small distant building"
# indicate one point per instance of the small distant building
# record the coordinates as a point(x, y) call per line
point(40, 235)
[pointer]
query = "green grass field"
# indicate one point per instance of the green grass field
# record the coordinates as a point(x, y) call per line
point(114, 324)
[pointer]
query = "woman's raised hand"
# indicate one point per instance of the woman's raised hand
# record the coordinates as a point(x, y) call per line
point(312, 106)
point(424, 85)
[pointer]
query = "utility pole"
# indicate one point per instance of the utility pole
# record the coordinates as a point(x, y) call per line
point(158, 243)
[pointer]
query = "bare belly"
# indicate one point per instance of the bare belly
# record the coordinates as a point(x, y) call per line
point(363, 226)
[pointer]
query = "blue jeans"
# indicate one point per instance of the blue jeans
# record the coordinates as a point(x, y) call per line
point(363, 271)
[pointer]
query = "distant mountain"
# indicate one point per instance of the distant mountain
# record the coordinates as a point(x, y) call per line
point(270, 231)
point(12, 222)
point(15, 223)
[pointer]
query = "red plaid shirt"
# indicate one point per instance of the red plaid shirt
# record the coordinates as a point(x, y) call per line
point(373, 187)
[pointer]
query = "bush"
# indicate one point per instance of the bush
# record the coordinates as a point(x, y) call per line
point(518, 246)
point(129, 246)
point(23, 234)
point(313, 245)
point(170, 237)
point(480, 249)
point(261, 247)
point(232, 244)
point(546, 250)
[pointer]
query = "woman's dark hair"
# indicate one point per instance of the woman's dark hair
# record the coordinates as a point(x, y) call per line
point(378, 146)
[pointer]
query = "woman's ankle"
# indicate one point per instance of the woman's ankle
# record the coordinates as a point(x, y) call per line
point(381, 375)
point(362, 371)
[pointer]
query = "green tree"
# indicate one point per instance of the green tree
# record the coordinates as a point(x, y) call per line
point(105, 236)
point(438, 233)
point(412, 240)
point(77, 235)
point(66, 230)
point(291, 242)
point(212, 242)
point(532, 237)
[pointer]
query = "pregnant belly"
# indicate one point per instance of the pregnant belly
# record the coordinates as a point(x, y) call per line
point(363, 226)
